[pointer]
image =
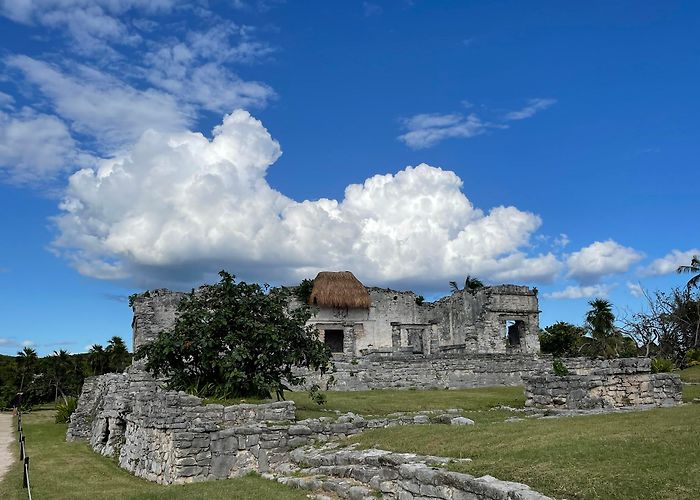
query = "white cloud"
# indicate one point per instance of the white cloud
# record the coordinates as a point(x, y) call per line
point(533, 107)
point(669, 263)
point(101, 106)
point(635, 289)
point(178, 206)
point(6, 342)
point(28, 343)
point(35, 148)
point(6, 101)
point(601, 258)
point(580, 292)
point(92, 24)
point(427, 129)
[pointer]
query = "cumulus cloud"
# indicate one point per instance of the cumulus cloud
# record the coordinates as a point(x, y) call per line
point(580, 292)
point(36, 148)
point(533, 107)
point(427, 129)
point(669, 263)
point(601, 258)
point(177, 206)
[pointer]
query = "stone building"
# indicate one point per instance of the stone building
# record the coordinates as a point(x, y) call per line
point(355, 320)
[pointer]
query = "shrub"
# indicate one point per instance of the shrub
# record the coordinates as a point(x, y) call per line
point(662, 365)
point(419, 300)
point(559, 368)
point(238, 340)
point(65, 408)
point(692, 357)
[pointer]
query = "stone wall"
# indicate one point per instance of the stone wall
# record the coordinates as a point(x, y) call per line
point(379, 473)
point(618, 383)
point(454, 371)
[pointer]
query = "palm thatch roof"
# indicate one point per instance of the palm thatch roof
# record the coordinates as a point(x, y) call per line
point(340, 290)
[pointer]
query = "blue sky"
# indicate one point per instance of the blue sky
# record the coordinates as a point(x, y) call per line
point(150, 144)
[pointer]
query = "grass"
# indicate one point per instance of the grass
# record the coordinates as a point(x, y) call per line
point(647, 454)
point(384, 402)
point(60, 470)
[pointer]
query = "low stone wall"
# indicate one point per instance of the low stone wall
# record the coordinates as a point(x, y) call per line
point(405, 476)
point(430, 372)
point(615, 383)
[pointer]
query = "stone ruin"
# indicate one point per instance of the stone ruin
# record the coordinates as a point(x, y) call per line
point(606, 384)
point(172, 438)
point(470, 339)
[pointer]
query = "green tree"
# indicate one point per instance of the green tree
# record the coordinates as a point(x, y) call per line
point(98, 359)
point(693, 268)
point(117, 354)
point(562, 339)
point(59, 371)
point(234, 339)
point(606, 340)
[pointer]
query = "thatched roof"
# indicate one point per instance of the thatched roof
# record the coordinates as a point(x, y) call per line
point(339, 289)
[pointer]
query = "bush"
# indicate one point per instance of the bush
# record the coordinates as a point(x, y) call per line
point(662, 365)
point(236, 340)
point(692, 357)
point(65, 409)
point(560, 368)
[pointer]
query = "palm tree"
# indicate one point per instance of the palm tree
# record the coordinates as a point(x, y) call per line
point(117, 353)
point(98, 359)
point(61, 364)
point(26, 358)
point(600, 323)
point(693, 268)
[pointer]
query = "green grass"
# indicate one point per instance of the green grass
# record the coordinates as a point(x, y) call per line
point(384, 402)
point(647, 454)
point(60, 470)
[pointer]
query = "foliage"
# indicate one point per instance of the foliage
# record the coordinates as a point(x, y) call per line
point(559, 368)
point(64, 409)
point(317, 396)
point(303, 290)
point(562, 339)
point(117, 355)
point(669, 324)
point(662, 365)
point(605, 339)
point(60, 374)
point(420, 300)
point(693, 268)
point(236, 336)
point(692, 357)
point(471, 284)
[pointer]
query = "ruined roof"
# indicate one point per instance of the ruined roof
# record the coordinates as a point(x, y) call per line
point(339, 289)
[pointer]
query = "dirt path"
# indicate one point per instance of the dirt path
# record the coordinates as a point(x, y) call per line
point(6, 437)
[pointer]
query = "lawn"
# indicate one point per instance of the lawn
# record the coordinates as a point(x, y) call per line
point(647, 454)
point(61, 470)
point(691, 375)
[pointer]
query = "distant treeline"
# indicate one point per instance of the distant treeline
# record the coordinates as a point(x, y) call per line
point(58, 375)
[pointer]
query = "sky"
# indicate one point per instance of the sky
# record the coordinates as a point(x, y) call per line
point(149, 144)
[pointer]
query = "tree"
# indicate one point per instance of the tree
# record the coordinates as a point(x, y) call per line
point(234, 339)
point(98, 359)
point(600, 323)
point(693, 268)
point(59, 371)
point(562, 339)
point(26, 360)
point(117, 354)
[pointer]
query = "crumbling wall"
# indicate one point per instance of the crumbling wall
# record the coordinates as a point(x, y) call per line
point(456, 371)
point(617, 383)
point(154, 312)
